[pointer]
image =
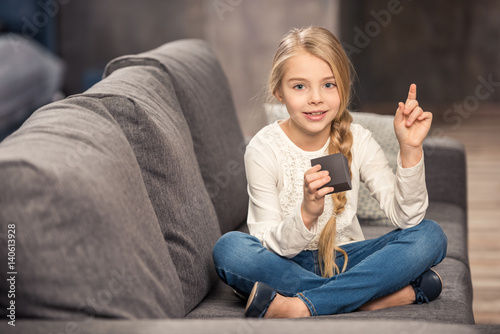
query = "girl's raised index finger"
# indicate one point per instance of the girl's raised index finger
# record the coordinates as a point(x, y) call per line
point(412, 93)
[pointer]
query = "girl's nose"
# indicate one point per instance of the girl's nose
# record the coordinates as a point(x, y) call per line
point(315, 97)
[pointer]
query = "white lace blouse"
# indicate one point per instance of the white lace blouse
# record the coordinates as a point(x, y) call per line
point(275, 169)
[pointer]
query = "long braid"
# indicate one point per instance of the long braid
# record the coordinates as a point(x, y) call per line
point(340, 141)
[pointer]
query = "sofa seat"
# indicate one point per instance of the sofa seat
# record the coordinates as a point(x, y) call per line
point(453, 306)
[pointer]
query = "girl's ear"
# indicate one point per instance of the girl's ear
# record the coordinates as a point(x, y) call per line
point(277, 94)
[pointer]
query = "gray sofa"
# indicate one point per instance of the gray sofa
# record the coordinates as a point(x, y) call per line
point(116, 197)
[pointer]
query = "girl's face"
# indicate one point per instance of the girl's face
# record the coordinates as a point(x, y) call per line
point(309, 91)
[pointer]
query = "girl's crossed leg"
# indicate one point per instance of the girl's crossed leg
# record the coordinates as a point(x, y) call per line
point(377, 275)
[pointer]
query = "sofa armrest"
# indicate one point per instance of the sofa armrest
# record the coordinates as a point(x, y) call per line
point(446, 171)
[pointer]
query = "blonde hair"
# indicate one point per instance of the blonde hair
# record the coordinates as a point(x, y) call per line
point(323, 44)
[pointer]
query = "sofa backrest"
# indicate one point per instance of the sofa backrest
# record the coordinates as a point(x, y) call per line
point(205, 98)
point(86, 240)
point(160, 137)
point(148, 172)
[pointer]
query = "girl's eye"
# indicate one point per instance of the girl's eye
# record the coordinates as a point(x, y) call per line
point(330, 85)
point(299, 86)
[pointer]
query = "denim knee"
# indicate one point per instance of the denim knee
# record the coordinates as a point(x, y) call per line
point(231, 247)
point(434, 240)
point(226, 242)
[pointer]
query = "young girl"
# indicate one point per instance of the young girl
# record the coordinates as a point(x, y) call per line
point(306, 254)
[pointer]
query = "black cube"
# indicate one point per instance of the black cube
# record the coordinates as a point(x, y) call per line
point(338, 167)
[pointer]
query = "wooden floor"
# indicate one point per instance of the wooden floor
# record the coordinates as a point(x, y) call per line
point(480, 133)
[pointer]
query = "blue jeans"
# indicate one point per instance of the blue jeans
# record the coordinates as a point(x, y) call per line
point(375, 267)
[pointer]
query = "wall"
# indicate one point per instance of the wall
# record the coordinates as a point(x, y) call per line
point(448, 47)
point(92, 32)
point(243, 33)
point(246, 37)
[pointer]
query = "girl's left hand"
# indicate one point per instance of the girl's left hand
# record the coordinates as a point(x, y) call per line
point(411, 123)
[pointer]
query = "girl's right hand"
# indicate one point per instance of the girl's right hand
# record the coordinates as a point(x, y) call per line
point(314, 198)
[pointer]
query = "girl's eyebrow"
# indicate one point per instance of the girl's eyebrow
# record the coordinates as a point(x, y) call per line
point(297, 79)
point(303, 79)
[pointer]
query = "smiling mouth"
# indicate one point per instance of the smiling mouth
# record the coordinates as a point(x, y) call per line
point(315, 113)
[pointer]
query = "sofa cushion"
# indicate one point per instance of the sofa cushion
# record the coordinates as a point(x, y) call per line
point(222, 302)
point(157, 130)
point(382, 129)
point(87, 241)
point(205, 98)
point(446, 176)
